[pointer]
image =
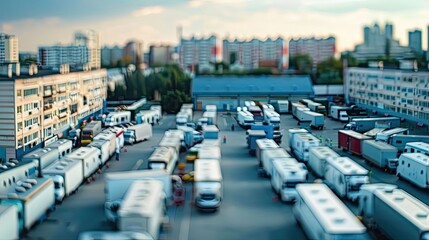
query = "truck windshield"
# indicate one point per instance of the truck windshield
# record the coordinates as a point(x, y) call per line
point(290, 184)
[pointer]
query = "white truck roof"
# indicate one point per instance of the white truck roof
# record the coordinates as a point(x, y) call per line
point(265, 143)
point(82, 153)
point(105, 135)
point(98, 143)
point(323, 152)
point(380, 145)
point(307, 137)
point(407, 205)
point(61, 166)
point(38, 153)
point(277, 153)
point(315, 114)
point(417, 157)
point(207, 170)
point(162, 154)
point(331, 213)
point(141, 198)
point(210, 128)
point(209, 152)
point(61, 142)
point(24, 189)
point(347, 166)
point(421, 145)
point(287, 166)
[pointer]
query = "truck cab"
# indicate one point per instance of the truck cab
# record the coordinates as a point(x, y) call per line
point(59, 189)
point(343, 116)
point(129, 137)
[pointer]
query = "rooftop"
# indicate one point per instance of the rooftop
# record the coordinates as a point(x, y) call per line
point(233, 85)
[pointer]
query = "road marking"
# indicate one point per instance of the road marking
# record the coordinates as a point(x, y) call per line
point(186, 221)
point(224, 122)
point(138, 164)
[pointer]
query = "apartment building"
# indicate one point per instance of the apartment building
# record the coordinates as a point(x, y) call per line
point(255, 53)
point(199, 53)
point(54, 56)
point(35, 106)
point(319, 49)
point(160, 55)
point(9, 51)
point(402, 93)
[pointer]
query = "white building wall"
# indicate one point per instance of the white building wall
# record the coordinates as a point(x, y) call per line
point(397, 92)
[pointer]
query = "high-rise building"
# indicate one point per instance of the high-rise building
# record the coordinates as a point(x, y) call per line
point(199, 53)
point(255, 53)
point(415, 41)
point(380, 43)
point(319, 49)
point(160, 55)
point(54, 56)
point(9, 51)
point(106, 56)
point(84, 51)
point(133, 52)
point(90, 39)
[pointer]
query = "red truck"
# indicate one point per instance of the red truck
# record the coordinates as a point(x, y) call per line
point(351, 141)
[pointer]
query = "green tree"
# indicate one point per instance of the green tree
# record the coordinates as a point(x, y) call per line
point(302, 63)
point(329, 72)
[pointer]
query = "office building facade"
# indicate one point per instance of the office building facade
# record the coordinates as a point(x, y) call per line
point(415, 41)
point(160, 55)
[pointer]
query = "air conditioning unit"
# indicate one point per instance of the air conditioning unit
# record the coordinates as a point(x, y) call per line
point(29, 113)
point(29, 128)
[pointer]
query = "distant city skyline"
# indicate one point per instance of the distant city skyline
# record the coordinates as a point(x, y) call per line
point(48, 22)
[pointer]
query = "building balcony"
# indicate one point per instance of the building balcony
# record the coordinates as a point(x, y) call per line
point(47, 106)
point(62, 90)
point(62, 115)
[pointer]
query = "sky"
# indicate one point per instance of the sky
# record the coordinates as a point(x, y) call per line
point(48, 22)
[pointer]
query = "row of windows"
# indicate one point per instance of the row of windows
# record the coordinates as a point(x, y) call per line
point(31, 122)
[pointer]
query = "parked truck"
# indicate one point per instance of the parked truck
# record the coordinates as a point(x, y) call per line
point(208, 184)
point(63, 147)
point(339, 113)
point(43, 157)
point(67, 175)
point(138, 133)
point(267, 158)
point(33, 197)
point(281, 106)
point(109, 235)
point(9, 218)
point(109, 137)
point(90, 131)
point(252, 136)
point(345, 177)
point(301, 144)
point(116, 118)
point(317, 107)
point(164, 158)
point(12, 171)
point(393, 212)
point(385, 135)
point(294, 107)
point(365, 124)
point(400, 140)
point(104, 147)
point(143, 208)
point(351, 141)
point(286, 174)
point(90, 158)
point(292, 132)
point(147, 117)
point(211, 117)
point(381, 154)
point(210, 132)
point(317, 159)
point(262, 145)
point(323, 216)
point(245, 119)
point(317, 120)
point(116, 184)
point(414, 167)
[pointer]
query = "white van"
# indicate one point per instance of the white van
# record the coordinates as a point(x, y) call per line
point(414, 167)
point(323, 216)
point(208, 184)
point(287, 173)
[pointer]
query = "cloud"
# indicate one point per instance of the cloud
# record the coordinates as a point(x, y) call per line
point(148, 11)
point(199, 3)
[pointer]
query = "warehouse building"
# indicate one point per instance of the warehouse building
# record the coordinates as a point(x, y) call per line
point(230, 92)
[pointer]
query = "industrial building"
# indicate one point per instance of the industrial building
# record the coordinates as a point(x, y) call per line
point(229, 92)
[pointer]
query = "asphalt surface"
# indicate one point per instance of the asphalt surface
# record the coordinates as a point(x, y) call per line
point(250, 209)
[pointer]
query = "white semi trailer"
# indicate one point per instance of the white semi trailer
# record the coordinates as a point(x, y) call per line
point(394, 212)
